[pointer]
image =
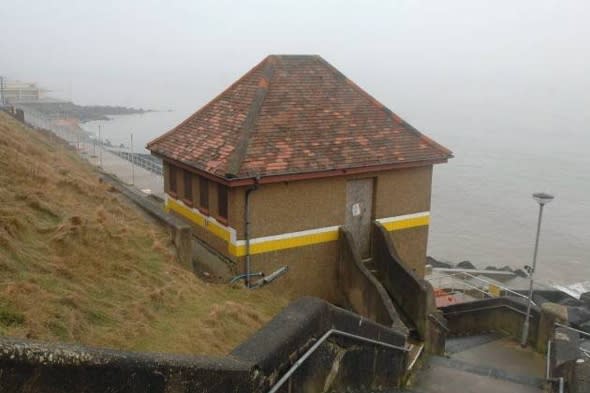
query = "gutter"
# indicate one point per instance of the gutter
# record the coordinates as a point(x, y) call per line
point(247, 229)
point(278, 178)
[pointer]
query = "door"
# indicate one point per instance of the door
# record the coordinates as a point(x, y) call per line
point(359, 208)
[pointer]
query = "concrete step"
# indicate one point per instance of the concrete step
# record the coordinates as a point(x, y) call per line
point(490, 372)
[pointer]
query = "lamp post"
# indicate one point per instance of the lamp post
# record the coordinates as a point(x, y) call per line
point(542, 199)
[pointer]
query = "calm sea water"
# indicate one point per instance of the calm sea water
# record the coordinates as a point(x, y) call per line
point(505, 149)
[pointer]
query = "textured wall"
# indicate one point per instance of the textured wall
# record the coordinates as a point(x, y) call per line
point(254, 366)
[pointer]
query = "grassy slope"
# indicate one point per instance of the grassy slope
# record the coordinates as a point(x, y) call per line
point(80, 264)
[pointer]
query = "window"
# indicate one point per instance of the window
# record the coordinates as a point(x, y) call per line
point(188, 187)
point(203, 194)
point(172, 179)
point(222, 201)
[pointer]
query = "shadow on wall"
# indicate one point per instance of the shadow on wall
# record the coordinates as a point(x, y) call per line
point(412, 295)
point(362, 290)
point(339, 363)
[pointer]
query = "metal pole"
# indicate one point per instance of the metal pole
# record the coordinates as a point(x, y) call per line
point(99, 147)
point(132, 162)
point(525, 326)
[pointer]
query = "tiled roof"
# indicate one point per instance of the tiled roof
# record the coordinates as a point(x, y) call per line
point(294, 114)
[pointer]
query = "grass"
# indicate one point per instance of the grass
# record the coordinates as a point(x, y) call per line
point(78, 263)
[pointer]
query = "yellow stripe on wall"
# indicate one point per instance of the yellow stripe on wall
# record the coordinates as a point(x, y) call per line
point(284, 241)
point(407, 223)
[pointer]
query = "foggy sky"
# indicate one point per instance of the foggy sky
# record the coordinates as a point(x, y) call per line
point(179, 54)
point(504, 84)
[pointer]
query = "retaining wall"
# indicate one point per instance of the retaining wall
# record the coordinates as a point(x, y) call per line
point(413, 296)
point(180, 232)
point(254, 366)
point(499, 314)
point(362, 290)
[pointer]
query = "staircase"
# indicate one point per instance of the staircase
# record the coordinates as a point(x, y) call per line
point(482, 364)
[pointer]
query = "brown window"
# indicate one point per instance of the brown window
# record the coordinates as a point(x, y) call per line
point(203, 193)
point(222, 201)
point(188, 187)
point(172, 179)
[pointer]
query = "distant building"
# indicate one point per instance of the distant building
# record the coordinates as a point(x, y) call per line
point(12, 92)
point(306, 151)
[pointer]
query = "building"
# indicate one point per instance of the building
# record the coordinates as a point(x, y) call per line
point(12, 92)
point(301, 150)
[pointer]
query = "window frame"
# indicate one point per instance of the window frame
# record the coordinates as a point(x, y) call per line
point(172, 180)
point(222, 203)
point(187, 196)
point(203, 195)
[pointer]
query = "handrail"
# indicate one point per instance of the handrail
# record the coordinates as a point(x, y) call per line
point(572, 329)
point(453, 276)
point(315, 346)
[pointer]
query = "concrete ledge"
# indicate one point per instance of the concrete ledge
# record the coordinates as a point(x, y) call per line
point(413, 296)
point(253, 366)
point(363, 291)
point(180, 232)
point(499, 314)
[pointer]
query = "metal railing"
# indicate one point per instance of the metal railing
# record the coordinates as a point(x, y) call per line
point(320, 341)
point(459, 282)
point(584, 351)
point(151, 164)
point(548, 377)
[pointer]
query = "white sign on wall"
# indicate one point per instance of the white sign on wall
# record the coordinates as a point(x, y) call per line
point(356, 209)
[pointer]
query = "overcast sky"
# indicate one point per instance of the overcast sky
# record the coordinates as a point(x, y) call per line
point(504, 84)
point(162, 54)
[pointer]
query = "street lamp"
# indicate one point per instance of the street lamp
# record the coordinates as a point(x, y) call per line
point(542, 199)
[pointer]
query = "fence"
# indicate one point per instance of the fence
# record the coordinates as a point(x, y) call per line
point(117, 156)
point(472, 285)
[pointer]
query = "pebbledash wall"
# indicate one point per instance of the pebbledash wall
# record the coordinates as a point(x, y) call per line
point(296, 223)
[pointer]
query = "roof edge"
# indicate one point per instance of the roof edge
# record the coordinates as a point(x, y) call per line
point(278, 178)
point(392, 114)
point(217, 98)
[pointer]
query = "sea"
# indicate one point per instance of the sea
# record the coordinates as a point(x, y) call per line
point(506, 146)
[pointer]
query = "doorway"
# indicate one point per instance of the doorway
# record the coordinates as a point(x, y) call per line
point(359, 209)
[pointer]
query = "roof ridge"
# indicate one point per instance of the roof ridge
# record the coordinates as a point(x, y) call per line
point(238, 155)
point(213, 101)
point(393, 115)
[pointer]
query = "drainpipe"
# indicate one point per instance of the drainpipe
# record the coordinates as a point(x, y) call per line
point(247, 228)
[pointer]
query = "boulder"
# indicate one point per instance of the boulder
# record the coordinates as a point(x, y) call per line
point(585, 327)
point(585, 298)
point(436, 263)
point(465, 265)
point(578, 315)
point(521, 273)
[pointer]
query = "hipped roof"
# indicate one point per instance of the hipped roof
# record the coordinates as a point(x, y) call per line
point(294, 114)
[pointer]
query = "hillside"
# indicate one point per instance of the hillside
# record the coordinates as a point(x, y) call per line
point(78, 263)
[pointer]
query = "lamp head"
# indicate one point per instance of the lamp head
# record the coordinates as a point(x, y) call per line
point(542, 198)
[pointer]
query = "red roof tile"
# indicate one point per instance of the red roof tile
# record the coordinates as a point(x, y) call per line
point(294, 114)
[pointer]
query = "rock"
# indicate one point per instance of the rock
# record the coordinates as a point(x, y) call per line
point(585, 327)
point(521, 273)
point(585, 298)
point(492, 268)
point(465, 265)
point(578, 315)
point(436, 263)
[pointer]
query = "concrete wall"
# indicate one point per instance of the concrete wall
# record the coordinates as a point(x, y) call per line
point(253, 366)
point(179, 230)
point(499, 314)
point(412, 295)
point(363, 292)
